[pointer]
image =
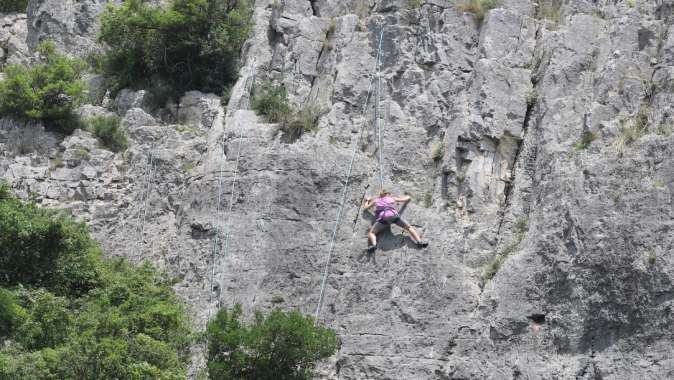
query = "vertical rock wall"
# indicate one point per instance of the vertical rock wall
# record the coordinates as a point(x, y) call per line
point(536, 146)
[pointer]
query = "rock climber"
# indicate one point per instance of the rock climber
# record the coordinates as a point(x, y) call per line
point(385, 214)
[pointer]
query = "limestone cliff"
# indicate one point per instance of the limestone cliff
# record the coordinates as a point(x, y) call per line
point(551, 250)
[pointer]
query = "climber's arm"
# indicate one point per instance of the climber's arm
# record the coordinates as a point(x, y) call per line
point(404, 199)
point(368, 203)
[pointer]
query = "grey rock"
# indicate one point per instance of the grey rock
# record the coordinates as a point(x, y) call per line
point(483, 126)
point(13, 34)
point(72, 25)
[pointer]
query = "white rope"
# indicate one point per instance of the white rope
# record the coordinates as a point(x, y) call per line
point(216, 245)
point(343, 201)
point(218, 226)
point(231, 197)
point(378, 116)
point(145, 195)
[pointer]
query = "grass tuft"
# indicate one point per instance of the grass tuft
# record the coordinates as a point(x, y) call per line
point(478, 8)
point(586, 140)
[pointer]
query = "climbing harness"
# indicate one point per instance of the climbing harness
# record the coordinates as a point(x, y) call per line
point(344, 193)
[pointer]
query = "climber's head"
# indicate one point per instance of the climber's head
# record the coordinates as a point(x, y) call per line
point(383, 193)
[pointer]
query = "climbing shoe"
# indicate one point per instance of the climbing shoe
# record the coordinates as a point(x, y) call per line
point(422, 244)
point(371, 248)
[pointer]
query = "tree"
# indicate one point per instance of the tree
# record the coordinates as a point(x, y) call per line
point(192, 44)
point(48, 91)
point(7, 6)
point(281, 346)
point(68, 313)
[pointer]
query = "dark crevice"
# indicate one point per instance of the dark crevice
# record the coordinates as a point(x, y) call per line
point(531, 106)
point(314, 8)
point(537, 318)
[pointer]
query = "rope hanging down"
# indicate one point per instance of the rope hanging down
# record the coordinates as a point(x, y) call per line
point(216, 244)
point(380, 144)
point(344, 193)
point(145, 195)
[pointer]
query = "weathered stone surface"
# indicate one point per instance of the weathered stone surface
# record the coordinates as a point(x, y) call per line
point(13, 33)
point(483, 125)
point(71, 24)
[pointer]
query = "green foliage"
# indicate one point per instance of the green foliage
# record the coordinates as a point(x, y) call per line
point(550, 10)
point(11, 314)
point(7, 6)
point(271, 101)
point(190, 44)
point(628, 135)
point(478, 8)
point(300, 122)
point(48, 91)
point(428, 199)
point(279, 346)
point(585, 140)
point(494, 265)
point(108, 131)
point(664, 130)
point(438, 151)
point(414, 4)
point(521, 228)
point(128, 323)
point(658, 184)
point(42, 248)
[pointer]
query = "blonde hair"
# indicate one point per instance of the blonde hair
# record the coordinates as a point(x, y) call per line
point(383, 193)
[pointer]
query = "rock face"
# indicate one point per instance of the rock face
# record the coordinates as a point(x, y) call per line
point(537, 146)
point(13, 33)
point(71, 24)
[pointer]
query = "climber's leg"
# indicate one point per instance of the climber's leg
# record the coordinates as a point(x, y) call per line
point(377, 227)
point(412, 231)
point(371, 240)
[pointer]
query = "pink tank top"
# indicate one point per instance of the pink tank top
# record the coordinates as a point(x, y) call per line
point(385, 207)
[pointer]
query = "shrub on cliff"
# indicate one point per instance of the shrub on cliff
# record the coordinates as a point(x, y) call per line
point(7, 6)
point(48, 91)
point(67, 313)
point(190, 44)
point(109, 132)
point(277, 346)
point(271, 102)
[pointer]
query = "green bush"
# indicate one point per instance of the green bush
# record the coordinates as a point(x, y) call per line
point(190, 44)
point(107, 130)
point(7, 6)
point(128, 324)
point(43, 248)
point(48, 91)
point(278, 346)
point(586, 139)
point(271, 101)
point(300, 122)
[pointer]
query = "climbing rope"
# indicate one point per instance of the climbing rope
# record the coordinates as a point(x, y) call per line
point(378, 115)
point(145, 195)
point(216, 243)
point(344, 193)
point(218, 226)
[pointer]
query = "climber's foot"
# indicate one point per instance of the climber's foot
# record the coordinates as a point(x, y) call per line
point(371, 248)
point(422, 244)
